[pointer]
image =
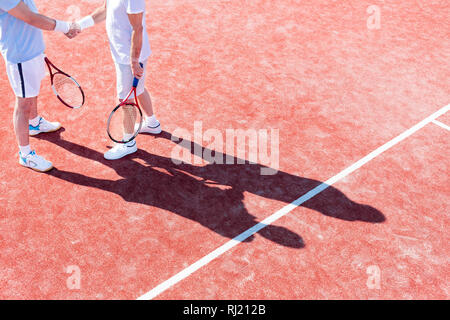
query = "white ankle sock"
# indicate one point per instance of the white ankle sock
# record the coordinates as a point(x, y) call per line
point(24, 150)
point(34, 122)
point(151, 121)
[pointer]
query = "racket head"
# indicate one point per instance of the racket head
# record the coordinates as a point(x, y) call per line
point(67, 90)
point(125, 118)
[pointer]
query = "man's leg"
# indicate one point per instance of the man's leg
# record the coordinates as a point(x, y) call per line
point(33, 109)
point(38, 123)
point(22, 112)
point(25, 79)
point(124, 78)
point(33, 71)
point(146, 103)
point(150, 123)
point(129, 119)
point(23, 109)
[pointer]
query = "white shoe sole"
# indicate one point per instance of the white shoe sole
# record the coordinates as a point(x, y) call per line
point(34, 169)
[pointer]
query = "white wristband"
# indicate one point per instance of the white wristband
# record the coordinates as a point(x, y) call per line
point(86, 22)
point(62, 26)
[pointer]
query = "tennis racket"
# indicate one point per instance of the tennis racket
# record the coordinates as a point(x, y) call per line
point(125, 121)
point(66, 88)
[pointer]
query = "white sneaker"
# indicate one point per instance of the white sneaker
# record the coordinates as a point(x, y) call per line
point(44, 126)
point(35, 162)
point(147, 128)
point(120, 150)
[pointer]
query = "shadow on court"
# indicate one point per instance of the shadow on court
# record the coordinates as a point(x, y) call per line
point(193, 192)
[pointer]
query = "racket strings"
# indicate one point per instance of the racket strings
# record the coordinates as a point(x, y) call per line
point(68, 90)
point(129, 119)
point(123, 124)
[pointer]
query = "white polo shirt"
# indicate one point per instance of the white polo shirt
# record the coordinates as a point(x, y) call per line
point(19, 41)
point(119, 29)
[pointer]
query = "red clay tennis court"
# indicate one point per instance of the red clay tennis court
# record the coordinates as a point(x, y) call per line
point(359, 207)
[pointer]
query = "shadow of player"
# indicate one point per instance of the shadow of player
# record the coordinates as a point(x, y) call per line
point(211, 195)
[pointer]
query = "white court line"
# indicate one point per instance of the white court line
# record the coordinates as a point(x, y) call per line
point(442, 125)
point(285, 210)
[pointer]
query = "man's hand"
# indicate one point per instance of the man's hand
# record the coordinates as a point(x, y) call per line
point(137, 70)
point(74, 30)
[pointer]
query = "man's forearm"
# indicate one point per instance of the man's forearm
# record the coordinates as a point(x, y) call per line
point(95, 17)
point(42, 22)
point(23, 12)
point(99, 15)
point(136, 44)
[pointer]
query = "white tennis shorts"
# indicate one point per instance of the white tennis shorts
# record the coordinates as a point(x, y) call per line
point(25, 78)
point(124, 79)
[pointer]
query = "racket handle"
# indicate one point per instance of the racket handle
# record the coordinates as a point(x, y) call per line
point(136, 80)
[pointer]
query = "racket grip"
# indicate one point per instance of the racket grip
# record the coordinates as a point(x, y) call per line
point(136, 80)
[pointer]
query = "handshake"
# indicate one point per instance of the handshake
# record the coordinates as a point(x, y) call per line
point(72, 29)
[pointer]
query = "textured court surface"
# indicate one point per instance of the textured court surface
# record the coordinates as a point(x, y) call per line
point(312, 69)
